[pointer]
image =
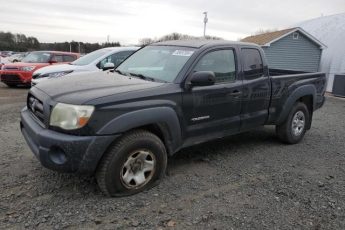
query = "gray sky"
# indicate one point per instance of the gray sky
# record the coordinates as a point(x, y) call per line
point(129, 20)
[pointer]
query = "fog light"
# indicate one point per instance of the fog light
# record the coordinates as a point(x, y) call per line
point(57, 155)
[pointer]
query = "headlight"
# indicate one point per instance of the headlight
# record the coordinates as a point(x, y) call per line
point(70, 117)
point(57, 74)
point(28, 68)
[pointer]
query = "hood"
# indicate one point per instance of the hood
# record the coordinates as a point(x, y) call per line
point(18, 65)
point(22, 64)
point(79, 88)
point(58, 68)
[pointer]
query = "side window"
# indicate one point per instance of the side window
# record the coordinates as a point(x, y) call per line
point(58, 58)
point(221, 62)
point(253, 66)
point(116, 58)
point(105, 60)
point(119, 57)
point(69, 58)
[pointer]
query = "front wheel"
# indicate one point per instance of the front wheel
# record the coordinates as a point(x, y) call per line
point(134, 163)
point(293, 129)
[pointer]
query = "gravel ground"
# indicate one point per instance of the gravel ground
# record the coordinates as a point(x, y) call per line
point(248, 181)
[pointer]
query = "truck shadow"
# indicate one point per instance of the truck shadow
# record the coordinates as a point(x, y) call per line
point(224, 146)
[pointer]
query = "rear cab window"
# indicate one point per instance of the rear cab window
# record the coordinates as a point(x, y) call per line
point(252, 63)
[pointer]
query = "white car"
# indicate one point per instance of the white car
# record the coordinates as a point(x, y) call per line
point(17, 57)
point(102, 59)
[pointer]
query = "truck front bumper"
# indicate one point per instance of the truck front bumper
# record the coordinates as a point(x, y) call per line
point(63, 152)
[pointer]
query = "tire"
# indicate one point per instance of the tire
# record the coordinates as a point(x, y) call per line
point(11, 85)
point(293, 129)
point(138, 155)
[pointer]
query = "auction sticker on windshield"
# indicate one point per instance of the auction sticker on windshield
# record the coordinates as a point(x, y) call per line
point(185, 53)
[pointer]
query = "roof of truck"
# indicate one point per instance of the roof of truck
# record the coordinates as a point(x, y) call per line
point(199, 43)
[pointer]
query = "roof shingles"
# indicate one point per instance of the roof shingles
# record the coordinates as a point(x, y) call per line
point(265, 38)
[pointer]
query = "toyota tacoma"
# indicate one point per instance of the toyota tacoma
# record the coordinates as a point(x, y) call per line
point(122, 125)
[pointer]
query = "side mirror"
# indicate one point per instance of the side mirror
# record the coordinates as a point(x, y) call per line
point(202, 78)
point(52, 62)
point(108, 65)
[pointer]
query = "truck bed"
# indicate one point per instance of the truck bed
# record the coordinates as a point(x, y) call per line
point(285, 82)
point(278, 72)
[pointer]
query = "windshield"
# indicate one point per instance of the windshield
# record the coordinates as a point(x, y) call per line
point(88, 58)
point(37, 57)
point(157, 62)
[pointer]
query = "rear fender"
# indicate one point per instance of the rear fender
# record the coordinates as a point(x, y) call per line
point(306, 90)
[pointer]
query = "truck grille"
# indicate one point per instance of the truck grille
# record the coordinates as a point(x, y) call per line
point(10, 78)
point(36, 108)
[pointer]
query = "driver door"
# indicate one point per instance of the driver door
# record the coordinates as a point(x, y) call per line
point(214, 111)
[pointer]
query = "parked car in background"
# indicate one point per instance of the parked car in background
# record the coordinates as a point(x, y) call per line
point(102, 59)
point(20, 73)
point(2, 62)
point(6, 53)
point(17, 57)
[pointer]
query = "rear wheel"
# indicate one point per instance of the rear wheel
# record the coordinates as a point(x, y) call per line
point(134, 163)
point(293, 129)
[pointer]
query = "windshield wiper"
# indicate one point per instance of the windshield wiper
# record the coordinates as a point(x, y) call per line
point(141, 76)
point(118, 71)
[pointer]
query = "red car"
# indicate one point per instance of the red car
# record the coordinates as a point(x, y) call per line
point(20, 73)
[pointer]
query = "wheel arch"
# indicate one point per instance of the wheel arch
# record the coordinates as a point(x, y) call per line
point(305, 94)
point(161, 121)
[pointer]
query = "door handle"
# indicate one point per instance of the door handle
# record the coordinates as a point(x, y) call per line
point(236, 93)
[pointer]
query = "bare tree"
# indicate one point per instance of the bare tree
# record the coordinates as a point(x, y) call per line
point(175, 36)
point(145, 41)
point(264, 31)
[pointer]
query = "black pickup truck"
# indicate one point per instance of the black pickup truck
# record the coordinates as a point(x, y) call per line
point(122, 125)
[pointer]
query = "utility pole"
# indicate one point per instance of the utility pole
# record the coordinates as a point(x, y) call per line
point(108, 38)
point(79, 46)
point(70, 47)
point(205, 21)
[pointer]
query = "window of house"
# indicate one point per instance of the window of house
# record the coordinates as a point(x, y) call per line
point(221, 62)
point(295, 35)
point(253, 66)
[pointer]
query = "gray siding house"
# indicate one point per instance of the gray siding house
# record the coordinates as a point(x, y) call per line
point(292, 49)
